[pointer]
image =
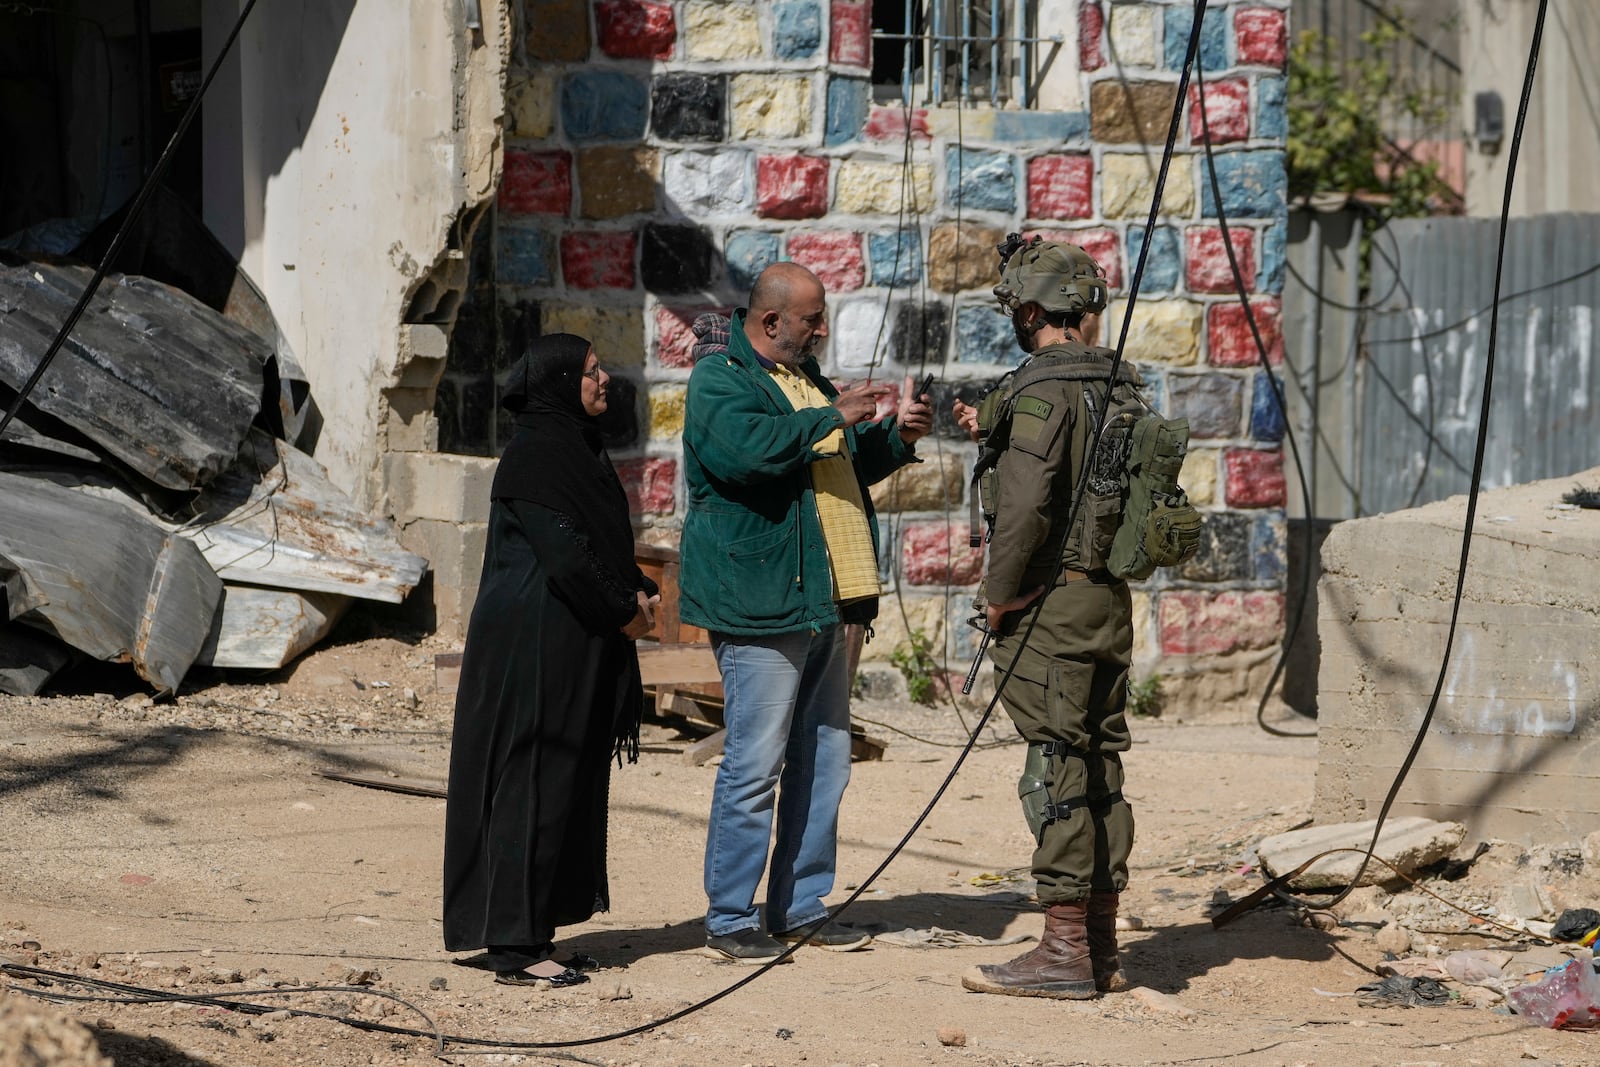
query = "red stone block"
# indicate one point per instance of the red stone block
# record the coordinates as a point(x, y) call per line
point(674, 338)
point(598, 260)
point(1255, 478)
point(834, 257)
point(1213, 624)
point(536, 183)
point(651, 485)
point(631, 29)
point(1060, 187)
point(1091, 23)
point(1206, 266)
point(1228, 336)
point(791, 187)
point(850, 40)
point(1103, 245)
point(1227, 112)
point(1260, 36)
point(889, 124)
point(937, 554)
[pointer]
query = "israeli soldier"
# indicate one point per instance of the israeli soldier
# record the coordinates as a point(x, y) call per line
point(1068, 692)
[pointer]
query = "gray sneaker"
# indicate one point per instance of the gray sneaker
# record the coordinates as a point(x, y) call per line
point(744, 946)
point(836, 938)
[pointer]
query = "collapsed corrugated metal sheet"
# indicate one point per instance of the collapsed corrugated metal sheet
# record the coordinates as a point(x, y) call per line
point(104, 578)
point(28, 658)
point(266, 628)
point(151, 376)
point(275, 519)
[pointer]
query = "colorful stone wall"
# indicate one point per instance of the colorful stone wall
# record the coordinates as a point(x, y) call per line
point(658, 155)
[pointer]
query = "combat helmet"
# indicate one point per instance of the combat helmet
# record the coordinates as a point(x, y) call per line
point(1060, 278)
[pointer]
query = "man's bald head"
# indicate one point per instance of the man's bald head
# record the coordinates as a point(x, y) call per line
point(779, 285)
point(788, 313)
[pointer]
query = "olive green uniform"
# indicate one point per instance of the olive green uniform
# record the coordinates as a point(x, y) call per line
point(1068, 693)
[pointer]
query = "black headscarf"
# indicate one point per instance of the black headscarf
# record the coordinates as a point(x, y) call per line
point(556, 459)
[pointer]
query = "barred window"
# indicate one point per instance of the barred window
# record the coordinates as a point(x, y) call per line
point(932, 52)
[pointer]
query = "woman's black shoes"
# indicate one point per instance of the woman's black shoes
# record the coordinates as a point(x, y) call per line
point(579, 962)
point(568, 977)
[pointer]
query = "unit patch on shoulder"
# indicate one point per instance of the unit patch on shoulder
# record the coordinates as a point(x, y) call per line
point(1029, 417)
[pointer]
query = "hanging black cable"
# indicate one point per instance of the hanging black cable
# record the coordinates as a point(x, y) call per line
point(151, 180)
point(1277, 885)
point(1307, 553)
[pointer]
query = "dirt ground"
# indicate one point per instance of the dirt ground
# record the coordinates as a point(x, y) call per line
point(190, 846)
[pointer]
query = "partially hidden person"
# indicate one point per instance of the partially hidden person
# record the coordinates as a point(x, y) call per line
point(550, 691)
point(779, 554)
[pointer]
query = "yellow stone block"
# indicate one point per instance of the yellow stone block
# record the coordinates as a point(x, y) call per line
point(964, 124)
point(666, 411)
point(865, 188)
point(770, 108)
point(1128, 184)
point(1133, 35)
point(721, 31)
point(1199, 475)
point(616, 333)
point(530, 103)
point(892, 628)
point(938, 483)
point(1163, 331)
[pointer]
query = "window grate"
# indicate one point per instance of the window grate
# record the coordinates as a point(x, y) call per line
point(933, 52)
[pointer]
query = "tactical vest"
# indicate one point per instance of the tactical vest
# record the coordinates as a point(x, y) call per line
point(1134, 516)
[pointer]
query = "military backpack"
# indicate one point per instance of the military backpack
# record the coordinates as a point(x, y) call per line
point(1135, 516)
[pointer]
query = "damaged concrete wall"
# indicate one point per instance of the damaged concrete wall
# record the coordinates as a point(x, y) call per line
point(348, 145)
point(1514, 748)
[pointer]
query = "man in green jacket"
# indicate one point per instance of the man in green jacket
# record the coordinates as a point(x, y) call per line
point(779, 552)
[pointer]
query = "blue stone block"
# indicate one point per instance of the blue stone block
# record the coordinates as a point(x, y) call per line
point(523, 256)
point(896, 258)
point(1254, 186)
point(1266, 419)
point(981, 181)
point(1213, 39)
point(1154, 389)
point(1272, 107)
point(1267, 544)
point(748, 253)
point(604, 105)
point(1164, 269)
point(796, 29)
point(983, 335)
point(1052, 127)
point(848, 102)
point(1274, 250)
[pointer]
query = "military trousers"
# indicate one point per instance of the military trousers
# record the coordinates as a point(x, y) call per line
point(1068, 698)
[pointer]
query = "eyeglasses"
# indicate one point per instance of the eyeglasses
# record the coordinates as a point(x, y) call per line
point(593, 375)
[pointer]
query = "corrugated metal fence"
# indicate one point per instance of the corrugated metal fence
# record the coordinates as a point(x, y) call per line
point(1428, 348)
point(1397, 427)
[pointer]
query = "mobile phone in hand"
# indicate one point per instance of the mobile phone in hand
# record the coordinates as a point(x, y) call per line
point(927, 383)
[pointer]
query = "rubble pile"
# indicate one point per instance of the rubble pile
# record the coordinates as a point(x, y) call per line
point(157, 508)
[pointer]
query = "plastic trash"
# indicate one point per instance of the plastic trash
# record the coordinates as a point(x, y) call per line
point(1566, 997)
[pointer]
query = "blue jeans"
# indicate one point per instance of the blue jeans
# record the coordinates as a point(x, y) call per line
point(786, 706)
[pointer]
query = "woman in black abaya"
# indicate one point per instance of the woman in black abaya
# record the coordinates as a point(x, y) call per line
point(549, 689)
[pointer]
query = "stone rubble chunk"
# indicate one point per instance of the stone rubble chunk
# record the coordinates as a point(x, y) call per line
point(1409, 843)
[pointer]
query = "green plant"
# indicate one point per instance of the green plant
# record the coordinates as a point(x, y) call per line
point(1338, 141)
point(1145, 696)
point(914, 658)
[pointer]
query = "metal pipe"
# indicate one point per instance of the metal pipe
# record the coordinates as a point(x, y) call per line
point(905, 54)
point(936, 68)
point(994, 53)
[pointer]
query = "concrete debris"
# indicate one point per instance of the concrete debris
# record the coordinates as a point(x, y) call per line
point(1409, 844)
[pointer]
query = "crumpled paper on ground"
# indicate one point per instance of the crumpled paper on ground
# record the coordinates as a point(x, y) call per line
point(938, 937)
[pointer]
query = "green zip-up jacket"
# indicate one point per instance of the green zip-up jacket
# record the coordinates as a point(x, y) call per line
point(754, 560)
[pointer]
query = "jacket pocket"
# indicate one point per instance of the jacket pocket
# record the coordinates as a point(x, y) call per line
point(759, 574)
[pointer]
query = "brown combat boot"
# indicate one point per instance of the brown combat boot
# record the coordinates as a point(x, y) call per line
point(1057, 968)
point(1102, 926)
